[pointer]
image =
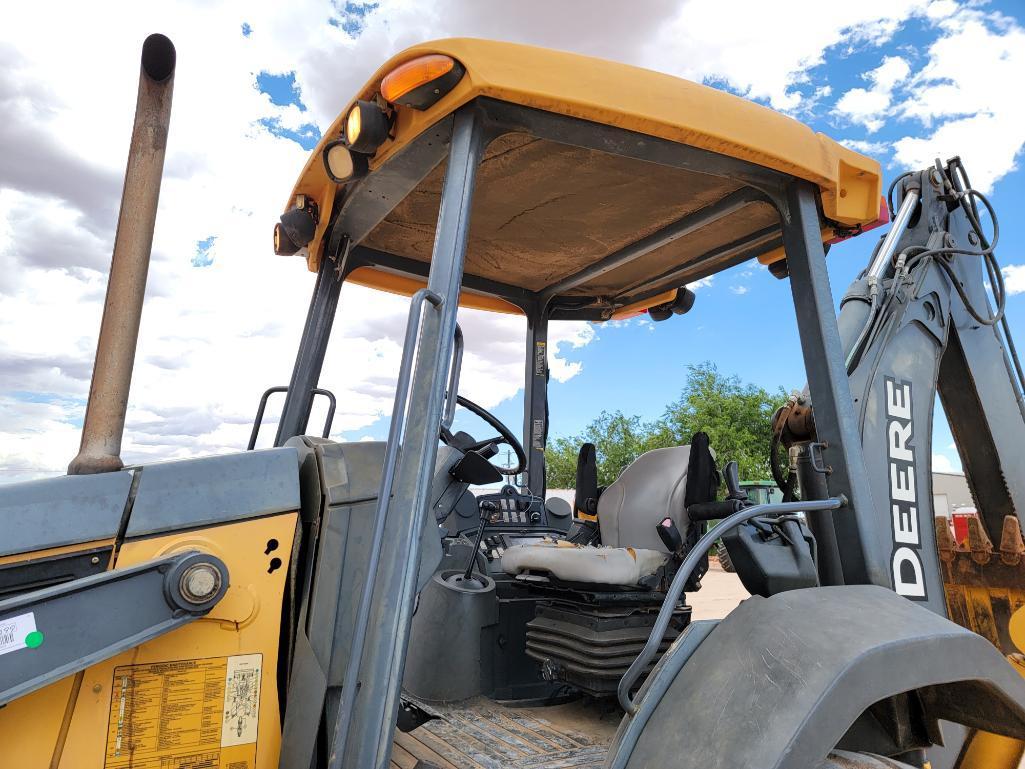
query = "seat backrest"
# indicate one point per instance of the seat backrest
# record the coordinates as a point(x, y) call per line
point(652, 487)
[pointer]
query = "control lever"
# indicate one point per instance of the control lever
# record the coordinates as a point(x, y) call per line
point(670, 536)
point(731, 474)
point(487, 509)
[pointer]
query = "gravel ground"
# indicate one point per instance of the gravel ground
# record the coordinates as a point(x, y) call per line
point(719, 594)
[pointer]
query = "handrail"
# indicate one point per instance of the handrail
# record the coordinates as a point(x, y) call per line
point(359, 634)
point(258, 421)
point(453, 380)
point(703, 545)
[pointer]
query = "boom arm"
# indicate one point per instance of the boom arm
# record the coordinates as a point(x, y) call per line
point(908, 334)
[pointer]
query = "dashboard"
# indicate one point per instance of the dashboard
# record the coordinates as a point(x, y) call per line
point(513, 517)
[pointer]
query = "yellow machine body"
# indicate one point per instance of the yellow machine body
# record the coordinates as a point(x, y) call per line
point(171, 696)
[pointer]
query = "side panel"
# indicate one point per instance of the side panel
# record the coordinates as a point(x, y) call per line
point(152, 677)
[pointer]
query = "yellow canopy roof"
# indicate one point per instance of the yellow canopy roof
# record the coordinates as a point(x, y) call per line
point(627, 97)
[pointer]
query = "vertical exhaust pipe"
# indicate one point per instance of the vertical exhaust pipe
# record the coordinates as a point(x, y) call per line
point(104, 426)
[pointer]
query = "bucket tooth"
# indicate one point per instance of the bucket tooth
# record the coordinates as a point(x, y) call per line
point(945, 539)
point(1011, 545)
point(979, 542)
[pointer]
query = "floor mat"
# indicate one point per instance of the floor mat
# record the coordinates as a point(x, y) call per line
point(481, 734)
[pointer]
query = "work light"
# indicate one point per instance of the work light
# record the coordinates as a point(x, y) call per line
point(342, 164)
point(420, 83)
point(366, 127)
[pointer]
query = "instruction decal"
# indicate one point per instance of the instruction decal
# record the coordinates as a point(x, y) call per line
point(18, 632)
point(540, 358)
point(185, 714)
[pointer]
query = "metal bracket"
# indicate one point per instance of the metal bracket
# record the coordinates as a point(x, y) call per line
point(815, 450)
point(48, 634)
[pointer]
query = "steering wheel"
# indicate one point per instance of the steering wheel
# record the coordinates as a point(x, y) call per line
point(505, 435)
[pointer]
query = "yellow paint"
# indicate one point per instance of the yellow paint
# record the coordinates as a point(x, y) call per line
point(1016, 628)
point(50, 552)
point(626, 97)
point(241, 624)
point(403, 285)
point(636, 308)
point(778, 254)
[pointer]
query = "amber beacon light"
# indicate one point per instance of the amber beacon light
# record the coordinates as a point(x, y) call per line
point(421, 82)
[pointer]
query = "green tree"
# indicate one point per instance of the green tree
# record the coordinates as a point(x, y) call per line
point(617, 439)
point(736, 416)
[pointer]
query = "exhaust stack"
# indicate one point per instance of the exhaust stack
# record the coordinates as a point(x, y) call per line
point(104, 426)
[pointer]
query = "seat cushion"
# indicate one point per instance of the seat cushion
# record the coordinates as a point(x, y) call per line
point(621, 566)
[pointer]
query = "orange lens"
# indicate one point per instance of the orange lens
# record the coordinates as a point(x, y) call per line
point(413, 74)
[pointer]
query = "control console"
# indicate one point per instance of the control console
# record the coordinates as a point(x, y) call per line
point(514, 509)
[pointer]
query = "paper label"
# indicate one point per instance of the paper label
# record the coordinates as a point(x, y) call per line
point(185, 714)
point(14, 632)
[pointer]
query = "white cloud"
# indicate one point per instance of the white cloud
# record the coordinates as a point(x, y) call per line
point(866, 147)
point(869, 106)
point(213, 338)
point(765, 53)
point(960, 95)
point(739, 290)
point(941, 464)
point(1014, 278)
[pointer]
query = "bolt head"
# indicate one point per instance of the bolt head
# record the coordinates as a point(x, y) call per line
point(200, 582)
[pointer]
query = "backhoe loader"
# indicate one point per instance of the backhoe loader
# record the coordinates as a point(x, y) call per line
point(411, 603)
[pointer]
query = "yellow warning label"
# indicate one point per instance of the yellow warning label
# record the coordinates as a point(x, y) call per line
point(185, 714)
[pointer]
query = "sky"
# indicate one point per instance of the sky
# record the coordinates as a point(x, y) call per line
point(902, 80)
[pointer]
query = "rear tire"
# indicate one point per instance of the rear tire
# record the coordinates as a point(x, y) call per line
point(724, 558)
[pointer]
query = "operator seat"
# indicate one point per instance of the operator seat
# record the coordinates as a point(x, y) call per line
point(658, 484)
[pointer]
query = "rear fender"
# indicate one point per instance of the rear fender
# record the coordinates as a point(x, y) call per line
point(780, 681)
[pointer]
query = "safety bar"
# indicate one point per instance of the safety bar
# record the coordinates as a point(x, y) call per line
point(453, 380)
point(703, 545)
point(391, 455)
point(332, 403)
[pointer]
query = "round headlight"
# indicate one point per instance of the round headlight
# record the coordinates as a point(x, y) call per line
point(366, 127)
point(342, 164)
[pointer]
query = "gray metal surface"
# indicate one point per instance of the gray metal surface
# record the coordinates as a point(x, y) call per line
point(654, 688)
point(858, 526)
point(925, 342)
point(748, 697)
point(104, 424)
point(88, 620)
point(444, 662)
point(362, 734)
point(211, 490)
point(69, 509)
point(535, 399)
point(309, 359)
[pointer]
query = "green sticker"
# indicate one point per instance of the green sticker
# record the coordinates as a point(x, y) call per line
point(34, 639)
